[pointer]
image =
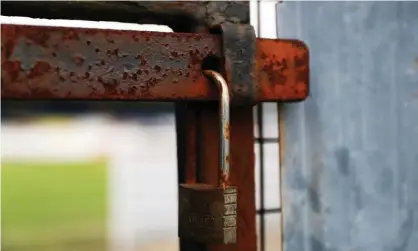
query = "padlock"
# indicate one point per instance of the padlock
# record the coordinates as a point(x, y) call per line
point(208, 213)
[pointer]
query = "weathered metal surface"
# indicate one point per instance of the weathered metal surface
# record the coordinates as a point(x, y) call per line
point(239, 60)
point(79, 63)
point(350, 151)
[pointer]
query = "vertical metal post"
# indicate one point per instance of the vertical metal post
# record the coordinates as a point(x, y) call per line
point(198, 159)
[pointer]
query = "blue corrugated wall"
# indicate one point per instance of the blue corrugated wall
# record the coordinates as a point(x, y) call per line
point(350, 152)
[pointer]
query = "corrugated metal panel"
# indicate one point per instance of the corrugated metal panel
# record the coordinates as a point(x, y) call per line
point(350, 152)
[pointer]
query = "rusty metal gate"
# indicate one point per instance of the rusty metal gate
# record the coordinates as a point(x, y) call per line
point(348, 155)
point(90, 64)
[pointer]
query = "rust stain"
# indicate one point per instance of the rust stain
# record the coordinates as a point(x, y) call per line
point(70, 34)
point(39, 69)
point(226, 131)
point(224, 180)
point(13, 67)
point(78, 59)
point(284, 69)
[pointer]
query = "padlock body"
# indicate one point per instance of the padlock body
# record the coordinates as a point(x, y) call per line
point(207, 213)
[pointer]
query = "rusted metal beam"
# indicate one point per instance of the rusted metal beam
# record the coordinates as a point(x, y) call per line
point(79, 63)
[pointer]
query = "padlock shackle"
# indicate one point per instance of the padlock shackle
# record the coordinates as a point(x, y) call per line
point(224, 125)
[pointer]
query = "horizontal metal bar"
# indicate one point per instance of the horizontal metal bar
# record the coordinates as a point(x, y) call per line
point(79, 63)
point(269, 211)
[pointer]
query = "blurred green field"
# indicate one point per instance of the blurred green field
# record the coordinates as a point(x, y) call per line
point(53, 207)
